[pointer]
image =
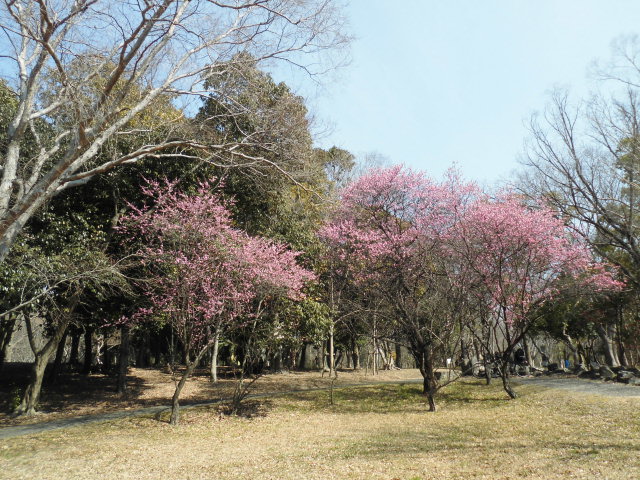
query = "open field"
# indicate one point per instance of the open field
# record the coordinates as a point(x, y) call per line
point(378, 432)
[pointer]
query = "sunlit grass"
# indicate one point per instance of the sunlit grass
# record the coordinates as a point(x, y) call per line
point(382, 432)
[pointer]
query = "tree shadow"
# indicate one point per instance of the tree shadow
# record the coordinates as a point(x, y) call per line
point(72, 392)
point(380, 398)
point(248, 408)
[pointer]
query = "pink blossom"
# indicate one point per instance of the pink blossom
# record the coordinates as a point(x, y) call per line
point(506, 254)
point(203, 272)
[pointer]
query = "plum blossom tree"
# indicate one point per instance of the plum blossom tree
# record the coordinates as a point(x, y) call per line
point(515, 259)
point(391, 228)
point(442, 253)
point(205, 275)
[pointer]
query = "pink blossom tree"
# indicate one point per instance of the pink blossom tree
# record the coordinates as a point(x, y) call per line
point(443, 253)
point(205, 275)
point(391, 229)
point(515, 258)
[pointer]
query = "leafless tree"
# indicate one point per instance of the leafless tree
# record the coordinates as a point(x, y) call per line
point(88, 68)
point(584, 159)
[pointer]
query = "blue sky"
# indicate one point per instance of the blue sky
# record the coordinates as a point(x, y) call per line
point(437, 82)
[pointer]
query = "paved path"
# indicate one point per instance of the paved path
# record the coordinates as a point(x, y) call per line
point(19, 430)
point(593, 387)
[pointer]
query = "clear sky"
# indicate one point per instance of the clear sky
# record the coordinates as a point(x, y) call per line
point(436, 82)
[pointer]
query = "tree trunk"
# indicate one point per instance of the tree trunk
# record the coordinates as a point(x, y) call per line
point(7, 325)
point(622, 354)
point(527, 352)
point(384, 358)
point(356, 356)
point(375, 347)
point(156, 351)
point(569, 342)
point(488, 367)
point(214, 358)
point(57, 364)
point(175, 405)
point(75, 347)
point(486, 346)
point(339, 358)
point(107, 355)
point(88, 351)
point(506, 383)
point(399, 359)
point(9, 233)
point(277, 361)
point(428, 390)
point(123, 360)
point(582, 354)
point(422, 355)
point(608, 343)
point(432, 382)
point(31, 395)
point(146, 350)
point(172, 350)
point(303, 357)
point(332, 359)
point(323, 360)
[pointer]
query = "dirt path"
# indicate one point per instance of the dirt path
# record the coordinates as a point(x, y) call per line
point(579, 385)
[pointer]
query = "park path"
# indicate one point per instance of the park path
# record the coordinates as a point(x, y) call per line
point(580, 385)
point(562, 383)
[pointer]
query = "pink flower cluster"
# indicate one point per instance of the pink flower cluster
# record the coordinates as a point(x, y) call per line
point(517, 255)
point(204, 272)
point(508, 254)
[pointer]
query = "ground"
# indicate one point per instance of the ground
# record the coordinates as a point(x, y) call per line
point(77, 394)
point(371, 432)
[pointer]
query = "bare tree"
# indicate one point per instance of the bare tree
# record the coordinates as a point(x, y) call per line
point(584, 160)
point(87, 68)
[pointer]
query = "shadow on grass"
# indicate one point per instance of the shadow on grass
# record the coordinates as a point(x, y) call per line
point(473, 391)
point(251, 408)
point(382, 399)
point(73, 391)
point(197, 414)
point(69, 390)
point(476, 443)
point(385, 399)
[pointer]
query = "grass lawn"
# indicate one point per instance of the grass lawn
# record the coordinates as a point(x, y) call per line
point(381, 432)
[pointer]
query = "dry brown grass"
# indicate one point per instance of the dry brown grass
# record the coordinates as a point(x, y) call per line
point(77, 394)
point(370, 433)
